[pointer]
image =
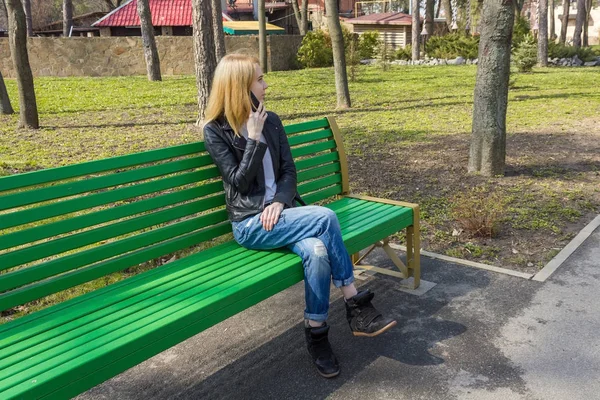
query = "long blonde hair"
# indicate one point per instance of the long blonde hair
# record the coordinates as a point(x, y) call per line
point(230, 92)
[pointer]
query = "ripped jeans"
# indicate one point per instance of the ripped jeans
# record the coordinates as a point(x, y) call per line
point(314, 234)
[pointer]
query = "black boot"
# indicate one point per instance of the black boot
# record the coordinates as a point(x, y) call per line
point(364, 319)
point(320, 350)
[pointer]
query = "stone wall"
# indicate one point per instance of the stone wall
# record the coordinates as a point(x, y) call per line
point(120, 56)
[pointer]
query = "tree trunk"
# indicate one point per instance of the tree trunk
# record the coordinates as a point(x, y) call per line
point(488, 139)
point(564, 23)
point(416, 32)
point(339, 57)
point(217, 17)
point(17, 38)
point(519, 6)
point(3, 14)
point(204, 52)
point(304, 17)
point(28, 17)
point(112, 5)
point(297, 15)
point(5, 106)
point(448, 13)
point(67, 17)
point(586, 22)
point(301, 14)
point(262, 37)
point(542, 54)
point(429, 16)
point(439, 7)
point(552, 28)
point(579, 23)
point(148, 41)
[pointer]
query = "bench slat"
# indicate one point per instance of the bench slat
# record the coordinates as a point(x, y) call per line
point(398, 222)
point(96, 235)
point(97, 199)
point(343, 204)
point(313, 148)
point(310, 137)
point(102, 182)
point(99, 217)
point(360, 224)
point(318, 172)
point(65, 281)
point(92, 167)
point(317, 160)
point(319, 184)
point(87, 257)
point(306, 126)
point(319, 195)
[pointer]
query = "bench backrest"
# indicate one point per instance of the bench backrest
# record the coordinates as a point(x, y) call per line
point(65, 226)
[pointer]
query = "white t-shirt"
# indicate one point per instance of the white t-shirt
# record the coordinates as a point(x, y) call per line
point(270, 185)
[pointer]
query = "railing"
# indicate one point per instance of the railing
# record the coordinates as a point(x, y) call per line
point(380, 6)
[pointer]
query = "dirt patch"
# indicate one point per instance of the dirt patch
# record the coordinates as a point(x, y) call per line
point(550, 191)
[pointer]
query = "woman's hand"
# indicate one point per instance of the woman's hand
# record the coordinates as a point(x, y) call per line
point(256, 122)
point(270, 216)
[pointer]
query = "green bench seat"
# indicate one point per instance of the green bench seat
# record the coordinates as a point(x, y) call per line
point(65, 226)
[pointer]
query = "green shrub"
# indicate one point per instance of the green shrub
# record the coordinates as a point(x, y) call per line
point(404, 53)
point(315, 50)
point(368, 44)
point(525, 56)
point(452, 45)
point(557, 50)
point(521, 30)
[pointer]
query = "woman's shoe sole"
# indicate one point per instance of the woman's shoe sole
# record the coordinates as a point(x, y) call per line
point(333, 375)
point(379, 332)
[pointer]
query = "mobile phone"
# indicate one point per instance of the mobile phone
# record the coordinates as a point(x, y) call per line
point(255, 102)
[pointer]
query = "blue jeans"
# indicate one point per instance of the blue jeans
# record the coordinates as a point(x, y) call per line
point(314, 234)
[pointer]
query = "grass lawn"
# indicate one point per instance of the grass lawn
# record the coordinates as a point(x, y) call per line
point(407, 136)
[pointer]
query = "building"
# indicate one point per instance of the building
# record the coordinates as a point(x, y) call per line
point(82, 26)
point(394, 28)
point(174, 17)
point(594, 22)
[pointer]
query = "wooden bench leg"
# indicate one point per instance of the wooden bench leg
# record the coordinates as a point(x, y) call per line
point(412, 256)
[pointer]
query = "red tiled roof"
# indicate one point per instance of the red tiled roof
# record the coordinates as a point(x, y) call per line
point(383, 19)
point(165, 13)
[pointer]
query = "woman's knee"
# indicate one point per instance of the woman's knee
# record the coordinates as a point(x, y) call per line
point(326, 213)
point(312, 248)
point(315, 258)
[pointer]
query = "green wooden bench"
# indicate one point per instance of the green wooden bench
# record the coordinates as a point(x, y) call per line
point(62, 227)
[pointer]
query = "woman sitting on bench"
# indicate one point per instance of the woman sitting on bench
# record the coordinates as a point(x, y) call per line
point(250, 148)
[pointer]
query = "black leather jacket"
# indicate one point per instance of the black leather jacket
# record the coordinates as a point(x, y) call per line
point(240, 162)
